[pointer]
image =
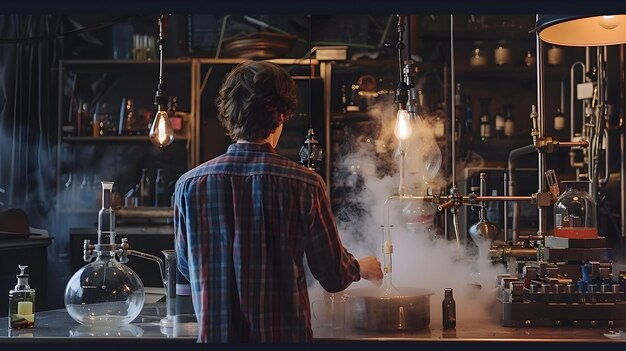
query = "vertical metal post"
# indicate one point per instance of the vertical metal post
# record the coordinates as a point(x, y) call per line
point(451, 107)
point(541, 164)
point(622, 60)
point(325, 74)
point(505, 208)
point(452, 102)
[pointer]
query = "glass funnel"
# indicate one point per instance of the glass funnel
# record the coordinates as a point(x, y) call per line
point(575, 212)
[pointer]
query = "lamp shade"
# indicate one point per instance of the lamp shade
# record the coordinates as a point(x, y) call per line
point(582, 30)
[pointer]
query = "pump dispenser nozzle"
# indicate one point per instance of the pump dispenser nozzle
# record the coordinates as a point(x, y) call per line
point(22, 278)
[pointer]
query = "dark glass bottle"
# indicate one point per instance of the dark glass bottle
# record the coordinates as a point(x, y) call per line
point(145, 189)
point(160, 190)
point(500, 121)
point(458, 111)
point(559, 123)
point(468, 118)
point(130, 118)
point(83, 120)
point(448, 307)
point(509, 123)
point(485, 120)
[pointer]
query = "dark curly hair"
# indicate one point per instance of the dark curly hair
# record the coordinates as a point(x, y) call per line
point(254, 99)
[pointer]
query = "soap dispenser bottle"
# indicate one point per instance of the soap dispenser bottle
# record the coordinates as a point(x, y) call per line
point(22, 303)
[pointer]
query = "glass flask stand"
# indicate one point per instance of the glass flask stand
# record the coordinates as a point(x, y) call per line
point(104, 292)
point(107, 293)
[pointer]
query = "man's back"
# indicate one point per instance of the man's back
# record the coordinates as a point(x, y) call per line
point(245, 221)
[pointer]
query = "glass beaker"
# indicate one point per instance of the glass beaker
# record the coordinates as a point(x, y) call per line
point(575, 212)
point(169, 283)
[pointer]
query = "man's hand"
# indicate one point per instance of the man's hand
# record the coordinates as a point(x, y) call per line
point(370, 269)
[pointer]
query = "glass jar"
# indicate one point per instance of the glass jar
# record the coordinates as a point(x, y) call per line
point(502, 54)
point(575, 212)
point(555, 55)
point(478, 57)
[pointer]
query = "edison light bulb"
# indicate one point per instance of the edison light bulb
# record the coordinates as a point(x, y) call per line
point(161, 132)
point(403, 125)
point(608, 22)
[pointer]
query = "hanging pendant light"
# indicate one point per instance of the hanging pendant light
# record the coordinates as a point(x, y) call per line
point(311, 153)
point(161, 132)
point(582, 30)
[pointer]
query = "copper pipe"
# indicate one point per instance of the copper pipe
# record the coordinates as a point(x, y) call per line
point(541, 164)
point(504, 198)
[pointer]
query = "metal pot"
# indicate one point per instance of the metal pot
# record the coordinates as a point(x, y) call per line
point(370, 309)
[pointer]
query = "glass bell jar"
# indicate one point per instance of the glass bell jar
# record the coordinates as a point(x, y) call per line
point(575, 212)
point(104, 293)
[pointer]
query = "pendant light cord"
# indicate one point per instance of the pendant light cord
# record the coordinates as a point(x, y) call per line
point(309, 147)
point(311, 72)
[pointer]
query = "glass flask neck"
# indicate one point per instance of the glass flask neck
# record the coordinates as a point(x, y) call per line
point(106, 216)
point(104, 255)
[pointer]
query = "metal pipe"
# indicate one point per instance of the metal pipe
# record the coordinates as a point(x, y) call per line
point(541, 163)
point(571, 98)
point(502, 253)
point(524, 150)
point(600, 120)
point(451, 107)
point(505, 208)
point(504, 198)
point(607, 157)
point(622, 141)
point(452, 104)
point(483, 190)
point(326, 75)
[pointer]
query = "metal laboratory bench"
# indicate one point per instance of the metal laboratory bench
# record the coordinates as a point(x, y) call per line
point(57, 326)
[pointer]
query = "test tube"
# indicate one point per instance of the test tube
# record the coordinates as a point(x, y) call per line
point(553, 183)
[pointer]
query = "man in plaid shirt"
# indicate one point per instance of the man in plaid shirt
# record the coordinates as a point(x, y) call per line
point(245, 220)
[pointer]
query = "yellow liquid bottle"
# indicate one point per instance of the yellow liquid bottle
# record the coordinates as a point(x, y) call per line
point(22, 303)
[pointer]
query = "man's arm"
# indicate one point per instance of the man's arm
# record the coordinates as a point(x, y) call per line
point(330, 263)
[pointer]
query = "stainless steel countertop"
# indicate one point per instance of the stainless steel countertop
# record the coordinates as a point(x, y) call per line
point(57, 325)
point(471, 332)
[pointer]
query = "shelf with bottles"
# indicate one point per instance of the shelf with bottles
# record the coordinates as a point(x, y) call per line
point(152, 192)
point(508, 72)
point(121, 138)
point(353, 116)
point(472, 26)
point(107, 64)
point(95, 96)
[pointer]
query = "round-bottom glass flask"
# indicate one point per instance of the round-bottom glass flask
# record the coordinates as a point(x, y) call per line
point(575, 212)
point(104, 293)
